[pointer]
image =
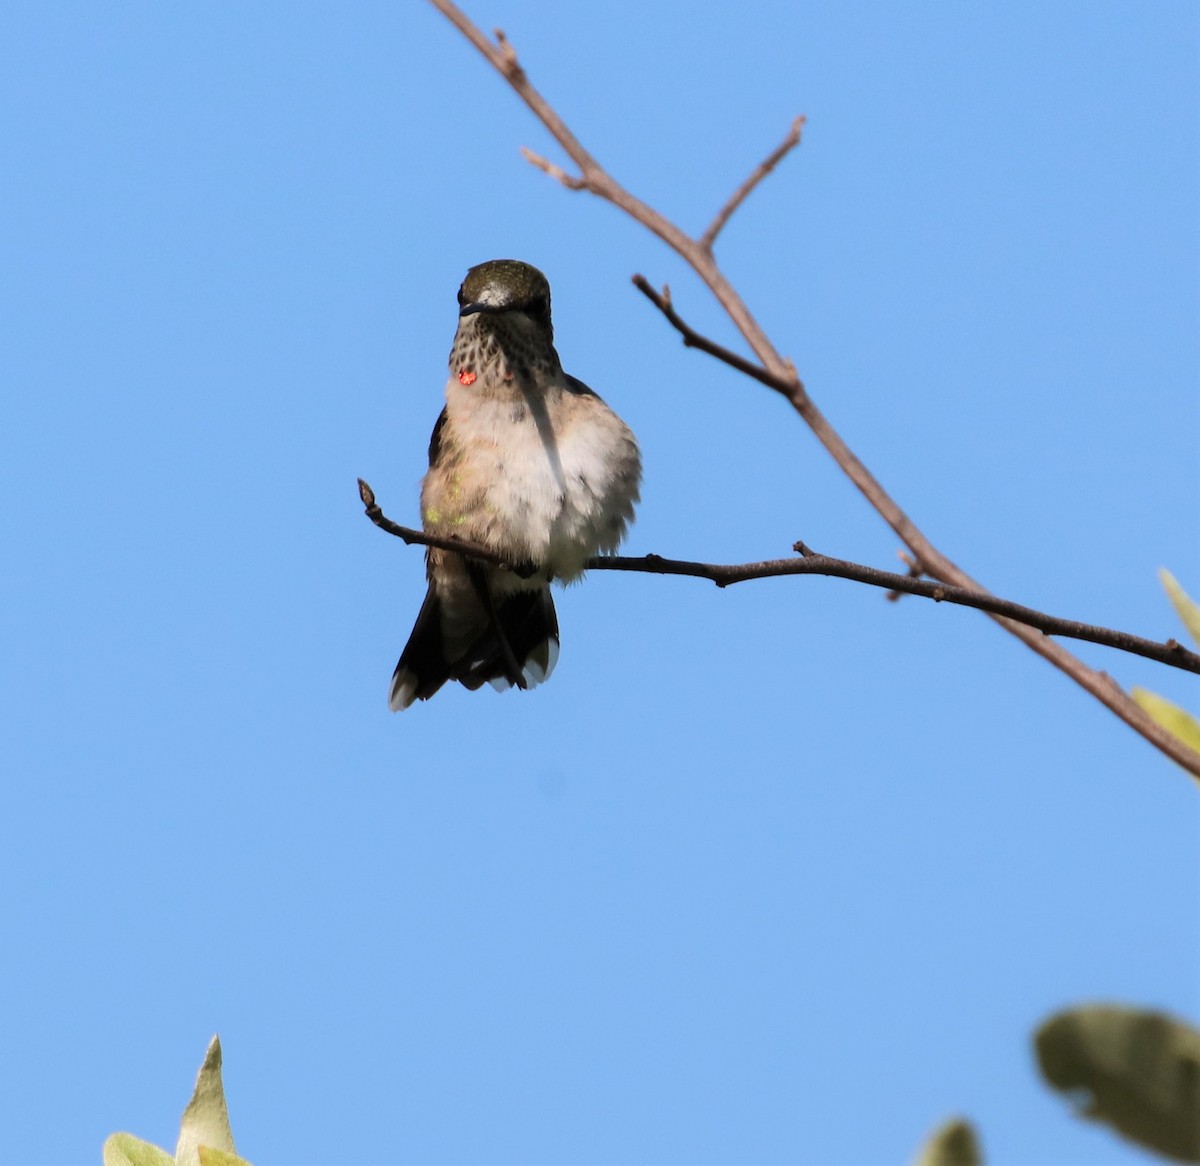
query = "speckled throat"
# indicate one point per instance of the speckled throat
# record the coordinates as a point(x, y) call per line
point(493, 348)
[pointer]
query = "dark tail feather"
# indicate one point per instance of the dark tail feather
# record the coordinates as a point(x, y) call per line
point(529, 625)
point(423, 667)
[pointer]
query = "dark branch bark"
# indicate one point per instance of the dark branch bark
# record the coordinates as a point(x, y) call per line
point(420, 538)
point(693, 339)
point(811, 563)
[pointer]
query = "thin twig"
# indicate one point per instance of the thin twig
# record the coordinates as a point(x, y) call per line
point(693, 339)
point(740, 195)
point(811, 563)
point(420, 538)
point(570, 181)
point(932, 561)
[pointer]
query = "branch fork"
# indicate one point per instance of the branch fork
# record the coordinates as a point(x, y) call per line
point(777, 372)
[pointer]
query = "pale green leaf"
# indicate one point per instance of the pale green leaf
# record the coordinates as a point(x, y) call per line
point(206, 1120)
point(126, 1150)
point(210, 1157)
point(1188, 610)
point(1178, 722)
point(1138, 1071)
point(953, 1143)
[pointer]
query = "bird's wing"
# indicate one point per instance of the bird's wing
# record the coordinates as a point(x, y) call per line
point(575, 385)
point(435, 439)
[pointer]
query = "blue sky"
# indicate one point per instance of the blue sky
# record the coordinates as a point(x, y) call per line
point(779, 874)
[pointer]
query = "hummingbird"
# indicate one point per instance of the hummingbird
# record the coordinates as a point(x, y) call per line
point(527, 462)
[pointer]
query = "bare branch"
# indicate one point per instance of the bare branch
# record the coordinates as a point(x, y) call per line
point(1102, 687)
point(914, 572)
point(699, 257)
point(568, 180)
point(502, 56)
point(740, 195)
point(693, 339)
point(419, 537)
point(811, 563)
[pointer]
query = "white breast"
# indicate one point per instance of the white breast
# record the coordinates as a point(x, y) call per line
point(562, 472)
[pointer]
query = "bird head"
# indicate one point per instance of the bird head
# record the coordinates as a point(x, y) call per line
point(503, 286)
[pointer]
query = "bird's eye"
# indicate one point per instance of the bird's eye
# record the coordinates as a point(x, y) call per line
point(540, 306)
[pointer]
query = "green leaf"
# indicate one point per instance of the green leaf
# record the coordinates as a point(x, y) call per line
point(209, 1157)
point(206, 1120)
point(953, 1143)
point(1136, 1070)
point(1188, 611)
point(1178, 722)
point(126, 1150)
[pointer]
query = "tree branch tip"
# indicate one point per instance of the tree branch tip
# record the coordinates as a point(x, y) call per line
point(512, 66)
point(660, 299)
point(570, 181)
point(802, 548)
point(708, 238)
point(366, 494)
point(644, 286)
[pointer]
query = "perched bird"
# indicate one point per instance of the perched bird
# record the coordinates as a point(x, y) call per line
point(525, 461)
